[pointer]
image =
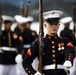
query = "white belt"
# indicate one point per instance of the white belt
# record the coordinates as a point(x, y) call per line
point(26, 46)
point(1, 50)
point(8, 49)
point(53, 66)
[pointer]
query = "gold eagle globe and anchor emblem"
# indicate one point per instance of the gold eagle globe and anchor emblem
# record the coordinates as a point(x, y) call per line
point(53, 12)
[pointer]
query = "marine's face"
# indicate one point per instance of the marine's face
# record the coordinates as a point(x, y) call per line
point(28, 25)
point(52, 28)
point(8, 26)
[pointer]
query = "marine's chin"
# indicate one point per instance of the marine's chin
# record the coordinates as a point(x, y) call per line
point(53, 34)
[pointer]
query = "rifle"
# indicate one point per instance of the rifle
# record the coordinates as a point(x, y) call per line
point(0, 23)
point(41, 34)
point(74, 19)
point(21, 8)
point(74, 12)
point(27, 8)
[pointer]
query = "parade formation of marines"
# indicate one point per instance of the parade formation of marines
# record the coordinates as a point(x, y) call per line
point(20, 47)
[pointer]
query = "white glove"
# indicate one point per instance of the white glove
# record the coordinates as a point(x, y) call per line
point(18, 58)
point(67, 65)
point(37, 73)
point(1, 51)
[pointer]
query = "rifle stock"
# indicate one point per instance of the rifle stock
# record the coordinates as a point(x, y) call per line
point(21, 9)
point(0, 23)
point(0, 18)
point(41, 34)
point(0, 15)
point(74, 20)
point(74, 13)
point(27, 8)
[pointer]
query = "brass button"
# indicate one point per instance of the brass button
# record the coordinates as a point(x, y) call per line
point(53, 55)
point(49, 37)
point(53, 46)
point(62, 48)
point(55, 37)
point(69, 58)
point(53, 51)
point(59, 49)
point(54, 60)
point(43, 53)
point(28, 71)
point(52, 42)
point(26, 68)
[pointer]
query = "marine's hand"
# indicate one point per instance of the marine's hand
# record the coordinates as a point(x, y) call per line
point(67, 65)
point(18, 58)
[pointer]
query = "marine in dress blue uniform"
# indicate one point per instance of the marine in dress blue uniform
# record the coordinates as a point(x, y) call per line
point(27, 34)
point(67, 32)
point(58, 52)
point(9, 43)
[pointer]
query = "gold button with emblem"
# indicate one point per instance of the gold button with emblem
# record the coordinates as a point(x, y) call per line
point(43, 53)
point(53, 51)
point(55, 37)
point(54, 60)
point(26, 68)
point(53, 46)
point(59, 48)
point(28, 71)
point(53, 12)
point(52, 42)
point(69, 58)
point(53, 55)
point(49, 37)
point(62, 48)
point(69, 54)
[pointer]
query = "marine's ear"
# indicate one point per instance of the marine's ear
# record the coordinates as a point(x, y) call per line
point(45, 24)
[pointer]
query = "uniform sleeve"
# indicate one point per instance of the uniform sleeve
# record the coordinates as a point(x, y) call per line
point(34, 35)
point(20, 44)
point(71, 36)
point(69, 51)
point(32, 53)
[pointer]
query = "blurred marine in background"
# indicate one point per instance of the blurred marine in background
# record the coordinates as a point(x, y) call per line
point(11, 45)
point(67, 32)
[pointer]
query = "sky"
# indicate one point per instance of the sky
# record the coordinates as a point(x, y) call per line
point(16, 2)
